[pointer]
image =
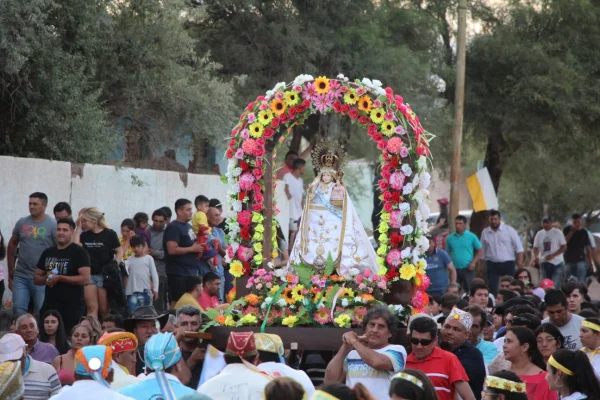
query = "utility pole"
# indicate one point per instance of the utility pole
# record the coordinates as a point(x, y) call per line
point(459, 106)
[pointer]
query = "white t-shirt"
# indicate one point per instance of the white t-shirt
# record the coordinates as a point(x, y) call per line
point(548, 242)
point(571, 332)
point(236, 381)
point(296, 189)
point(595, 361)
point(278, 369)
point(377, 382)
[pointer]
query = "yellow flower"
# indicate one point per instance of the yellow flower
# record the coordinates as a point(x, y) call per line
point(288, 295)
point(257, 237)
point(318, 296)
point(229, 321)
point(257, 217)
point(347, 292)
point(236, 268)
point(381, 261)
point(387, 128)
point(350, 97)
point(322, 85)
point(382, 271)
point(385, 217)
point(383, 227)
point(258, 259)
point(343, 320)
point(407, 271)
point(291, 98)
point(256, 130)
point(297, 293)
point(247, 319)
point(421, 264)
point(382, 250)
point(278, 107)
point(259, 228)
point(274, 254)
point(274, 289)
point(365, 104)
point(377, 115)
point(257, 247)
point(290, 321)
point(383, 238)
point(265, 117)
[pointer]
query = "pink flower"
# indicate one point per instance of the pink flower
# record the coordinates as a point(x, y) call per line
point(418, 301)
point(389, 116)
point(367, 273)
point(297, 88)
point(259, 286)
point(250, 283)
point(245, 253)
point(394, 258)
point(229, 251)
point(268, 278)
point(335, 89)
point(358, 279)
point(245, 133)
point(263, 106)
point(394, 145)
point(249, 146)
point(260, 151)
point(279, 95)
point(377, 104)
point(309, 91)
point(403, 152)
point(362, 286)
point(244, 218)
point(399, 130)
point(382, 285)
point(322, 315)
point(321, 102)
point(258, 198)
point(360, 91)
point(395, 219)
point(257, 173)
point(251, 118)
point(246, 181)
point(260, 272)
point(397, 180)
point(239, 153)
point(268, 285)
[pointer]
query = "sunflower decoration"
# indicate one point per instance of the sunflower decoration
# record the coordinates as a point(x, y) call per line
point(265, 117)
point(377, 115)
point(288, 296)
point(291, 98)
point(322, 85)
point(387, 128)
point(350, 97)
point(297, 294)
point(347, 292)
point(365, 104)
point(278, 107)
point(256, 130)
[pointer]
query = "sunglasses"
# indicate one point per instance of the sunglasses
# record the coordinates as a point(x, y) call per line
point(423, 342)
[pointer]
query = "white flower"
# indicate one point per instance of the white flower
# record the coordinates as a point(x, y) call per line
point(236, 206)
point(406, 230)
point(321, 304)
point(292, 307)
point(424, 180)
point(345, 303)
point(234, 227)
point(231, 163)
point(342, 77)
point(404, 208)
point(235, 246)
point(228, 259)
point(398, 307)
point(406, 170)
point(424, 208)
point(263, 306)
point(269, 94)
point(357, 300)
point(281, 302)
point(300, 79)
point(367, 82)
point(374, 85)
point(280, 273)
point(421, 162)
point(423, 244)
point(406, 252)
point(354, 271)
point(407, 189)
point(268, 300)
point(234, 189)
point(237, 172)
point(278, 86)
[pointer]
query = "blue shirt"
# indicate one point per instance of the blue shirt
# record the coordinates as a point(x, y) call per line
point(437, 263)
point(488, 349)
point(472, 361)
point(148, 388)
point(462, 248)
point(187, 264)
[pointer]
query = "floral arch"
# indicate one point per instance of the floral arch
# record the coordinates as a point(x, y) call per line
point(390, 123)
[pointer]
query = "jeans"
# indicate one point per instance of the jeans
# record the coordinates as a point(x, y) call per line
point(497, 269)
point(554, 272)
point(138, 299)
point(464, 278)
point(162, 303)
point(579, 269)
point(23, 290)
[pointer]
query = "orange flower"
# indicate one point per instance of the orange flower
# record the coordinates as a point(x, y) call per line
point(322, 85)
point(367, 297)
point(287, 295)
point(278, 107)
point(252, 299)
point(220, 319)
point(365, 104)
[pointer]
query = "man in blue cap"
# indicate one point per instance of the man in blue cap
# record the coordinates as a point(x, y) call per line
point(163, 357)
point(93, 375)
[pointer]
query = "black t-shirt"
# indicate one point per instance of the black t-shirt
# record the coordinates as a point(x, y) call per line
point(183, 234)
point(100, 247)
point(576, 245)
point(63, 262)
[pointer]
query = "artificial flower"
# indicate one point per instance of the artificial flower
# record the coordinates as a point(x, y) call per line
point(345, 303)
point(220, 319)
point(291, 98)
point(236, 269)
point(322, 85)
point(278, 107)
point(365, 104)
point(407, 271)
point(290, 321)
point(343, 320)
point(247, 319)
point(229, 321)
point(288, 295)
point(387, 128)
point(258, 258)
point(394, 145)
point(257, 237)
point(252, 299)
point(265, 117)
point(322, 316)
point(347, 292)
point(350, 97)
point(274, 289)
point(359, 314)
point(257, 247)
point(297, 294)
point(377, 115)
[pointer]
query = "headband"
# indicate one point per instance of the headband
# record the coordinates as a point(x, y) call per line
point(410, 378)
point(591, 325)
point(559, 366)
point(504, 384)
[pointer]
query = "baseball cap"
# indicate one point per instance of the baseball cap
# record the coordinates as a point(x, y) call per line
point(490, 319)
point(12, 347)
point(546, 284)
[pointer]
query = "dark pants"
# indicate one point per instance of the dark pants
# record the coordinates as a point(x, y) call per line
point(464, 277)
point(176, 286)
point(162, 303)
point(497, 269)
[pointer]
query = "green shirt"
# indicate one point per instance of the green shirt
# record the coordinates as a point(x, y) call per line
point(462, 248)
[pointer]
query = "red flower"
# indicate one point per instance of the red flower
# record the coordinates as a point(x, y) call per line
point(258, 198)
point(260, 151)
point(256, 187)
point(391, 274)
point(292, 112)
point(364, 120)
point(395, 197)
point(337, 106)
point(260, 141)
point(243, 165)
point(345, 109)
point(382, 144)
point(387, 207)
point(396, 239)
point(377, 137)
point(388, 90)
point(274, 123)
point(394, 163)
point(268, 133)
point(234, 132)
point(372, 129)
point(257, 207)
point(260, 98)
point(246, 268)
point(257, 173)
point(353, 113)
point(387, 196)
point(258, 163)
point(245, 233)
point(300, 109)
point(399, 100)
point(385, 174)
point(229, 153)
point(422, 150)
point(241, 196)
point(250, 106)
point(383, 184)
point(283, 118)
point(306, 104)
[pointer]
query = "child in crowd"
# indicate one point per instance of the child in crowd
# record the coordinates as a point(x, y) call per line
point(143, 278)
point(199, 218)
point(141, 226)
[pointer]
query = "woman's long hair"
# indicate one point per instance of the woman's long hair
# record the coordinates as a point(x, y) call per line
point(552, 331)
point(94, 214)
point(408, 390)
point(526, 335)
point(62, 344)
point(96, 329)
point(508, 395)
point(583, 379)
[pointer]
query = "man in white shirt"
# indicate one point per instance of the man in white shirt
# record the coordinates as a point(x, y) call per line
point(548, 248)
point(568, 324)
point(294, 190)
point(240, 379)
point(501, 244)
point(93, 375)
point(369, 359)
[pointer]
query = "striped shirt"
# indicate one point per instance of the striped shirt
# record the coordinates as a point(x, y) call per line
point(442, 368)
point(41, 381)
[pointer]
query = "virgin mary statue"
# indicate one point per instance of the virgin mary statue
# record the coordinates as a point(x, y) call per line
point(330, 224)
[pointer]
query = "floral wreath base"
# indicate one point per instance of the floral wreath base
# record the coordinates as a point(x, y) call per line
point(390, 123)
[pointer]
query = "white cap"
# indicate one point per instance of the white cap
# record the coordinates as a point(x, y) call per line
point(12, 347)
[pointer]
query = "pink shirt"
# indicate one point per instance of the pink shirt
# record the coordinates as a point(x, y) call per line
point(207, 301)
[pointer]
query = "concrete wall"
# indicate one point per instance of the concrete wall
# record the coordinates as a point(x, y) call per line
point(119, 192)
